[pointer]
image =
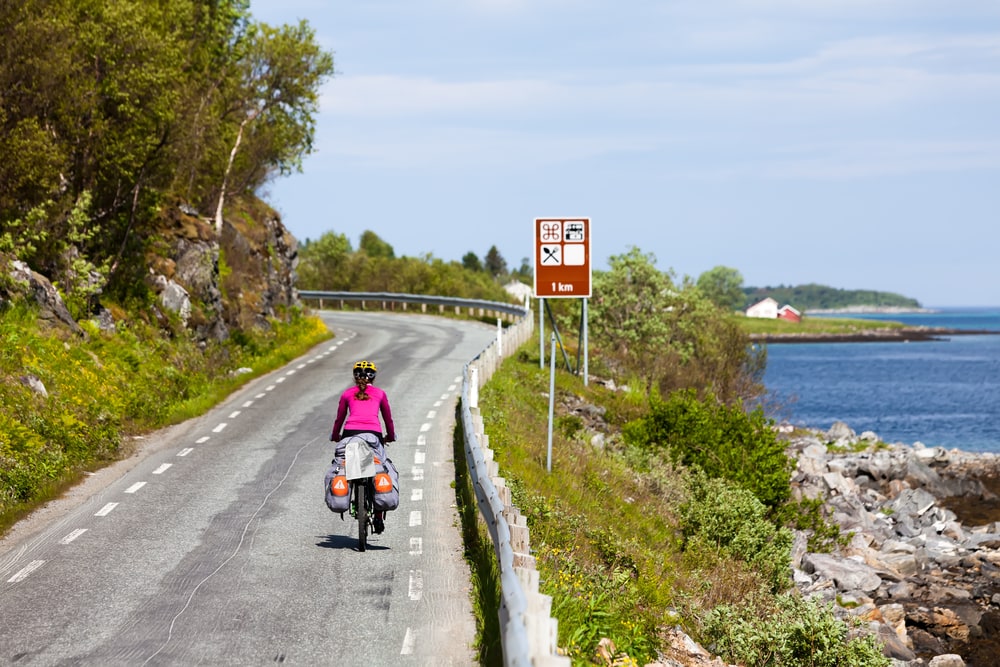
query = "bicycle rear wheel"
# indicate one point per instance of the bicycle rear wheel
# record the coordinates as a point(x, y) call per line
point(362, 506)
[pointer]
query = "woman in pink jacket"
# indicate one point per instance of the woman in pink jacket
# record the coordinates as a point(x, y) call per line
point(360, 407)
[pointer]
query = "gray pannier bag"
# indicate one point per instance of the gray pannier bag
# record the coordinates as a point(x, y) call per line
point(338, 484)
point(338, 488)
point(386, 487)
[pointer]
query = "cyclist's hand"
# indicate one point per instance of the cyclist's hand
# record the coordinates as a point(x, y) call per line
point(390, 438)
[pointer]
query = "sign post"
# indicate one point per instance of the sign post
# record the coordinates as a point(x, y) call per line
point(562, 268)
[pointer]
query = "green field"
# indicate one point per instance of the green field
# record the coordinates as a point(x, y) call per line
point(815, 325)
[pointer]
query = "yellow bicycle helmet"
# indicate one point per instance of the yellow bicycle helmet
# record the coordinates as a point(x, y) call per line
point(365, 369)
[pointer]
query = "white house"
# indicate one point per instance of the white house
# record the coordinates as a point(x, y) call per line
point(518, 290)
point(766, 308)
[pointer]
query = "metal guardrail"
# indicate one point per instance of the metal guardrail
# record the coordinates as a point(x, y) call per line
point(470, 305)
point(528, 631)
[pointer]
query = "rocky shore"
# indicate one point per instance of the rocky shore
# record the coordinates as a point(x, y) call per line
point(921, 568)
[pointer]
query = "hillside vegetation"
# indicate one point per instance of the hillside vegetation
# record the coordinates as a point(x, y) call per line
point(821, 297)
point(669, 502)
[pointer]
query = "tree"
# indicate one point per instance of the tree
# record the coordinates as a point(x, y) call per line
point(322, 263)
point(670, 336)
point(495, 264)
point(471, 262)
point(374, 246)
point(628, 313)
point(723, 286)
point(281, 72)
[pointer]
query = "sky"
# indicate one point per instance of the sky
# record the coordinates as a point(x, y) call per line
point(849, 143)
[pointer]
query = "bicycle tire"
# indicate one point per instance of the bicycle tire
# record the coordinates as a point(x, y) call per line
point(362, 515)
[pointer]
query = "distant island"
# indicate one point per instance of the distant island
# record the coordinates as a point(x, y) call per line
point(813, 298)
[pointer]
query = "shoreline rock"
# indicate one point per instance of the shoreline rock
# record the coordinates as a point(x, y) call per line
point(921, 568)
point(907, 334)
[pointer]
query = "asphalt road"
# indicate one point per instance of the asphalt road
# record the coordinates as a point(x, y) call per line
point(212, 545)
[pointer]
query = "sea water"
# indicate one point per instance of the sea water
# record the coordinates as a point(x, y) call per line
point(941, 393)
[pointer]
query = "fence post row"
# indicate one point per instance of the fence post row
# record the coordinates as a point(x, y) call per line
point(529, 634)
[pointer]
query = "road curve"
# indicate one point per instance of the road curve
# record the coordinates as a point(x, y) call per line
point(213, 546)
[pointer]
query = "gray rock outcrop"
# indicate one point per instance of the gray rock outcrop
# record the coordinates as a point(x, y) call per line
point(926, 582)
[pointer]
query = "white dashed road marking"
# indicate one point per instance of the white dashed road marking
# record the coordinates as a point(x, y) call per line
point(185, 451)
point(416, 495)
point(72, 536)
point(408, 641)
point(418, 474)
point(25, 571)
point(416, 584)
point(415, 518)
point(248, 404)
point(218, 429)
point(106, 510)
point(425, 427)
point(416, 546)
point(418, 458)
point(202, 439)
point(135, 487)
point(234, 415)
point(162, 469)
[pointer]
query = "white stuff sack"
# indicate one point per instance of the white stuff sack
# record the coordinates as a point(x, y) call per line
point(359, 459)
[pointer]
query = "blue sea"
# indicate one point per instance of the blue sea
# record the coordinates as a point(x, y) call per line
point(941, 393)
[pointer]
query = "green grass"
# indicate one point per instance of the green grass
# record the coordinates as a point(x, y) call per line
point(606, 528)
point(105, 388)
point(815, 325)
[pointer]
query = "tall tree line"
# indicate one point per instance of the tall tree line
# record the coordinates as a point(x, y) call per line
point(109, 106)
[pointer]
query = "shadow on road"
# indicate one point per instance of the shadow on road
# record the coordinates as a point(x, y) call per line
point(346, 542)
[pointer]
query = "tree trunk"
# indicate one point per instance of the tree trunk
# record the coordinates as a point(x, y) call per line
point(229, 168)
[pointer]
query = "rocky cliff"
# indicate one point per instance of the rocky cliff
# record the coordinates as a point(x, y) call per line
point(209, 283)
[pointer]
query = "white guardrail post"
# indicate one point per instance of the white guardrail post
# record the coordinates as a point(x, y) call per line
point(529, 634)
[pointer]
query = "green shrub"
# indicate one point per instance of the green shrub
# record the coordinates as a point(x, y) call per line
point(790, 632)
point(720, 517)
point(724, 441)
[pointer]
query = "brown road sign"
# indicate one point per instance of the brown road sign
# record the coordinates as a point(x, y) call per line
point(562, 257)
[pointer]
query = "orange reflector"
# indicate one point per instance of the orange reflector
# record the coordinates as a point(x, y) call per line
point(383, 483)
point(339, 486)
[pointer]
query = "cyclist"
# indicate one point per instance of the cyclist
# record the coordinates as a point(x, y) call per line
point(358, 412)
